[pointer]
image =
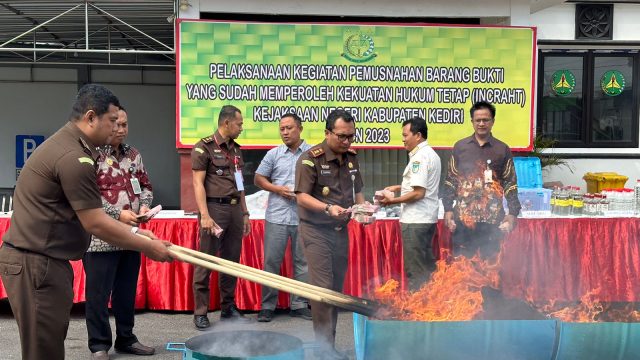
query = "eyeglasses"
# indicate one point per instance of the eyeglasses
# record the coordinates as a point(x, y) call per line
point(343, 137)
point(486, 121)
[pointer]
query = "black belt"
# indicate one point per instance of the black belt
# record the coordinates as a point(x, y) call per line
point(223, 200)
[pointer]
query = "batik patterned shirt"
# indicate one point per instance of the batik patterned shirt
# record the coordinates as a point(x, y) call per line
point(478, 178)
point(114, 176)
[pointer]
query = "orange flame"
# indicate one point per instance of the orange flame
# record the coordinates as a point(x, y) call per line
point(589, 309)
point(452, 294)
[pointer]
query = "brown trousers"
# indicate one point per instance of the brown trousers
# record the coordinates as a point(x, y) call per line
point(229, 245)
point(327, 252)
point(40, 291)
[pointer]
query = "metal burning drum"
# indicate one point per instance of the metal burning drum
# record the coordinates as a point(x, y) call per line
point(241, 344)
point(449, 340)
point(495, 340)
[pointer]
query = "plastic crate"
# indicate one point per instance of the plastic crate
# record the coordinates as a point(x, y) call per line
point(604, 180)
point(528, 171)
point(538, 199)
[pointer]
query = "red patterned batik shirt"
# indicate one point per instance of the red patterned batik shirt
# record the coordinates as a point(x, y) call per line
point(114, 177)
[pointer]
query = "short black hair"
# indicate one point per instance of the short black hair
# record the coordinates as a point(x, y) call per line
point(338, 114)
point(93, 97)
point(228, 112)
point(418, 125)
point(295, 117)
point(122, 108)
point(483, 105)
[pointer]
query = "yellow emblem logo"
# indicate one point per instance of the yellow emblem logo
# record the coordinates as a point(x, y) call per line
point(325, 191)
point(350, 165)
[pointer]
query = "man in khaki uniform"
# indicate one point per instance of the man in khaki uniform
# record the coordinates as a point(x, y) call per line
point(57, 208)
point(328, 182)
point(217, 164)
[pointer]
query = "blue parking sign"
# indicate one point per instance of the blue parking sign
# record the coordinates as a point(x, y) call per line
point(25, 145)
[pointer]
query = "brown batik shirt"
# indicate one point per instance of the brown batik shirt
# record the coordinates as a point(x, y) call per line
point(478, 178)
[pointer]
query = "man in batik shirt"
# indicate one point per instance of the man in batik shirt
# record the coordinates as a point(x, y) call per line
point(480, 175)
point(112, 272)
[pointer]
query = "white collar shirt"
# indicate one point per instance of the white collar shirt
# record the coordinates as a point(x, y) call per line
point(423, 170)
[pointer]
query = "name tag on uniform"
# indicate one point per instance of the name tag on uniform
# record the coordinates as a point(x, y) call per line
point(325, 172)
point(488, 176)
point(135, 184)
point(353, 171)
point(216, 156)
point(239, 180)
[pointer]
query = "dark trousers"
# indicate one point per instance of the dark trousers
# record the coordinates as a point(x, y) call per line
point(485, 240)
point(40, 291)
point(327, 252)
point(418, 258)
point(110, 274)
point(229, 245)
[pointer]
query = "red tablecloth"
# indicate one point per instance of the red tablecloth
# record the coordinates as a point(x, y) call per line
point(544, 259)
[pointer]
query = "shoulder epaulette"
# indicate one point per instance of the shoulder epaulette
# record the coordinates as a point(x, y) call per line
point(316, 151)
point(352, 151)
point(207, 139)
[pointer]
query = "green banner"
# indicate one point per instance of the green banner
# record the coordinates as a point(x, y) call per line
point(382, 74)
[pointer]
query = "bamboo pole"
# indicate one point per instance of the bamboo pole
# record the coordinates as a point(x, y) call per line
point(361, 306)
point(271, 276)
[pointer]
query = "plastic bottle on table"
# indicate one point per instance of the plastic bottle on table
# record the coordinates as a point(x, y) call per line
point(578, 202)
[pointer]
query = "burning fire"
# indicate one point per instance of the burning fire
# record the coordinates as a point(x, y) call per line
point(452, 294)
point(589, 309)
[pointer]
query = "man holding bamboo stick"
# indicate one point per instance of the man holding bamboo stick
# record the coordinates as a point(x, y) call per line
point(328, 182)
point(57, 208)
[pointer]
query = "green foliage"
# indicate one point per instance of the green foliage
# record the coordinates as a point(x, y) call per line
point(543, 149)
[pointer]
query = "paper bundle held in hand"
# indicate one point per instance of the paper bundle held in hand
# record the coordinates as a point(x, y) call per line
point(363, 213)
point(217, 230)
point(381, 194)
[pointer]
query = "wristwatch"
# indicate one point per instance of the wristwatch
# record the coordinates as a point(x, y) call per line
point(326, 209)
point(246, 213)
point(134, 229)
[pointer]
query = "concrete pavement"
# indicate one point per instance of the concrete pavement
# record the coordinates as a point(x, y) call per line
point(157, 328)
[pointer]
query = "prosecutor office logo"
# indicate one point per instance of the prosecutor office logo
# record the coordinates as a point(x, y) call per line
point(612, 83)
point(358, 47)
point(563, 82)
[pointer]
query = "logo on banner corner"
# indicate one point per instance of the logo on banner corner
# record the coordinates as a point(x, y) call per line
point(358, 47)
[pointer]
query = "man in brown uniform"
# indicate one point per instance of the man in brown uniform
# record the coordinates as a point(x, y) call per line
point(217, 182)
point(57, 207)
point(328, 182)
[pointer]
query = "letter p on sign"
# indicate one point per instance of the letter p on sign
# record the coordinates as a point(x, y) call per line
point(25, 146)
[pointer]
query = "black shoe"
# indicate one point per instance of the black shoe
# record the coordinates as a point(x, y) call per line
point(303, 313)
point(136, 349)
point(201, 322)
point(265, 315)
point(233, 314)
